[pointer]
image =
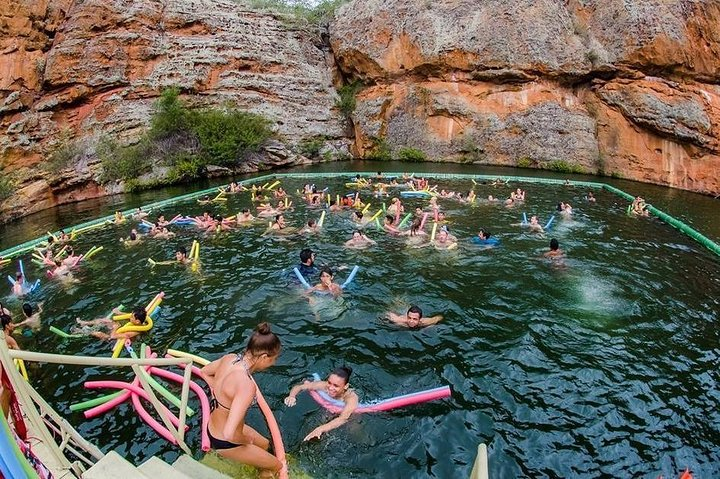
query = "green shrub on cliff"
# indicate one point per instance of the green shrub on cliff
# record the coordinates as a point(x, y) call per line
point(186, 141)
point(411, 154)
point(7, 187)
point(380, 150)
point(307, 12)
point(347, 102)
point(563, 166)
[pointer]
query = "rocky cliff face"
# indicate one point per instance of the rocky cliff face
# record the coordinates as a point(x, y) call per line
point(624, 88)
point(74, 70)
point(628, 88)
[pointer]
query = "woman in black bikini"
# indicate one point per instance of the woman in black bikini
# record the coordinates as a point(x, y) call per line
point(230, 380)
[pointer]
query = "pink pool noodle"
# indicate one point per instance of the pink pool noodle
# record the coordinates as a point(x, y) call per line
point(204, 402)
point(102, 408)
point(135, 392)
point(274, 431)
point(387, 404)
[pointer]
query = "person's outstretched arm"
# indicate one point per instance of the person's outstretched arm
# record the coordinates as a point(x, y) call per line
point(431, 320)
point(290, 400)
point(347, 411)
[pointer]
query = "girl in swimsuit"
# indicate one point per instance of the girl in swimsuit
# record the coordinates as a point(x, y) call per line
point(233, 390)
point(337, 386)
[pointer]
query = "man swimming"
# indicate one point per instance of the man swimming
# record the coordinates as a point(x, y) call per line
point(413, 318)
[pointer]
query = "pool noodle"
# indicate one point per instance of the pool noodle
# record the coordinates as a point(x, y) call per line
point(95, 402)
point(322, 219)
point(301, 278)
point(181, 354)
point(112, 400)
point(274, 185)
point(367, 207)
point(272, 424)
point(376, 215)
point(351, 277)
point(10, 462)
point(404, 220)
point(524, 218)
point(162, 390)
point(63, 334)
point(151, 421)
point(21, 367)
point(22, 270)
point(434, 230)
point(377, 222)
point(204, 402)
point(335, 405)
point(384, 207)
point(547, 226)
point(135, 390)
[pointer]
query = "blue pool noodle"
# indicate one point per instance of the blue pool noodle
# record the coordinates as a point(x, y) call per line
point(547, 226)
point(525, 218)
point(351, 277)
point(301, 278)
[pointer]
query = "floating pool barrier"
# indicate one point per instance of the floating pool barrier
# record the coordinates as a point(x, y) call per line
point(99, 222)
point(335, 405)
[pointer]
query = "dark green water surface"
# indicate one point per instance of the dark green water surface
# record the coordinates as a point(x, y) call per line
point(604, 365)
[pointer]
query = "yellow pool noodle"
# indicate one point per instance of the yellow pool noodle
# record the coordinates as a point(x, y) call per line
point(274, 185)
point(21, 367)
point(52, 235)
point(286, 202)
point(434, 230)
point(182, 354)
point(337, 200)
point(117, 348)
point(367, 207)
point(264, 186)
point(376, 215)
point(322, 219)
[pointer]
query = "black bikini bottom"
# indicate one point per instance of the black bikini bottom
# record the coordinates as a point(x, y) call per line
point(219, 444)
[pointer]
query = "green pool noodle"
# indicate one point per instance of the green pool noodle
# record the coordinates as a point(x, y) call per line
point(81, 406)
point(174, 400)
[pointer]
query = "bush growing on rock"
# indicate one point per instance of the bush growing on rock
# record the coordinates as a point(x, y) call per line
point(411, 154)
point(7, 187)
point(185, 141)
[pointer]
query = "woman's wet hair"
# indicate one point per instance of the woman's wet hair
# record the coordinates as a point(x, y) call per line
point(263, 341)
point(343, 372)
point(27, 309)
point(327, 270)
point(554, 244)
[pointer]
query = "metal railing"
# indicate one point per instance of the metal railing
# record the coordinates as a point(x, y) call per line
point(55, 433)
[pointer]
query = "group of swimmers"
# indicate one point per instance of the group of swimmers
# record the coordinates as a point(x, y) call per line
point(230, 377)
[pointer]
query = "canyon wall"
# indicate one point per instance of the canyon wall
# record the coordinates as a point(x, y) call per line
point(628, 89)
point(72, 72)
point(623, 88)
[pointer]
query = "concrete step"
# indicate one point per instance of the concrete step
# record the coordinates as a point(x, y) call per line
point(159, 469)
point(114, 466)
point(193, 469)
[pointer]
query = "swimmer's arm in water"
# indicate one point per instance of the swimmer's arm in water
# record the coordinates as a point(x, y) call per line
point(396, 318)
point(290, 400)
point(431, 320)
point(350, 406)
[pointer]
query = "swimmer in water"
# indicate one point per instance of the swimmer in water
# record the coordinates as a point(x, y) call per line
point(138, 318)
point(32, 317)
point(244, 217)
point(555, 252)
point(413, 318)
point(444, 241)
point(326, 284)
point(359, 240)
point(337, 386)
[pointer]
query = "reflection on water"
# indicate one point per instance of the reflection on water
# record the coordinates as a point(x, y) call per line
point(605, 365)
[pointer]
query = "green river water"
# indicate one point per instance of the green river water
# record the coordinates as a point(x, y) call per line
point(605, 365)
